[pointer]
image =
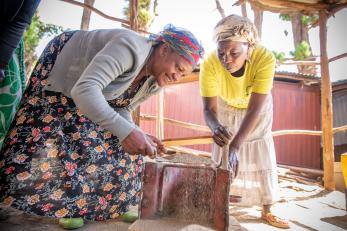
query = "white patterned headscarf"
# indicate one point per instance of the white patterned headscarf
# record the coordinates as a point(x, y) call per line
point(236, 28)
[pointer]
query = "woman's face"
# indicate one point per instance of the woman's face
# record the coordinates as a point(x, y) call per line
point(169, 66)
point(232, 54)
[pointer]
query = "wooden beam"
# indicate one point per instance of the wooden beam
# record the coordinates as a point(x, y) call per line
point(300, 6)
point(160, 115)
point(337, 57)
point(134, 26)
point(193, 77)
point(178, 123)
point(188, 141)
point(96, 11)
point(326, 104)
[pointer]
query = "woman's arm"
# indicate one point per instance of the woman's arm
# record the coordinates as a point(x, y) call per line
point(220, 134)
point(254, 108)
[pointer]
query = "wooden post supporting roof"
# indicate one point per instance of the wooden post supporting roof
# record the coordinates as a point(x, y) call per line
point(326, 104)
point(134, 26)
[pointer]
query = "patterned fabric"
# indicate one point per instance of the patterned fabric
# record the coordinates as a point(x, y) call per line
point(56, 162)
point(181, 41)
point(11, 90)
point(236, 28)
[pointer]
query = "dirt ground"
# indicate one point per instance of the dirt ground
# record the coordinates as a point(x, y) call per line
point(306, 207)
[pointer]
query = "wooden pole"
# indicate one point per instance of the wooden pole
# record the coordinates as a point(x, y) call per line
point(160, 116)
point(134, 26)
point(326, 102)
point(244, 9)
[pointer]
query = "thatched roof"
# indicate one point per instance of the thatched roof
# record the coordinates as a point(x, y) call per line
point(294, 6)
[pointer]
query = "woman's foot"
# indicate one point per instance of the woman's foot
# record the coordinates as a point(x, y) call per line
point(71, 223)
point(129, 216)
point(275, 221)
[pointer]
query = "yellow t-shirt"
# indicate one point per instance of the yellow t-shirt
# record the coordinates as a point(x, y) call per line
point(215, 80)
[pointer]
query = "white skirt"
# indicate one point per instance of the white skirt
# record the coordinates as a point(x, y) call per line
point(257, 181)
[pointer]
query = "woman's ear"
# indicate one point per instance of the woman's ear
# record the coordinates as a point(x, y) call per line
point(164, 49)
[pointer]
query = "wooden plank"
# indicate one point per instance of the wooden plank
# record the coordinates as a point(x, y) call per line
point(326, 104)
point(188, 141)
point(160, 116)
point(179, 123)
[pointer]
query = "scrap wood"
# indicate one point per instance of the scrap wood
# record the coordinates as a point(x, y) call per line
point(301, 174)
point(299, 179)
point(316, 172)
point(190, 151)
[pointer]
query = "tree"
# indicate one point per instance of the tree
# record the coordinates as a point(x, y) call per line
point(35, 32)
point(258, 19)
point(145, 17)
point(86, 15)
point(300, 26)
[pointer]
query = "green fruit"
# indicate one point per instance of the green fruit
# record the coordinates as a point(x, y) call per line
point(71, 223)
point(129, 216)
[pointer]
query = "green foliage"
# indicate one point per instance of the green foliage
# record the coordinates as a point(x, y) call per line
point(35, 32)
point(302, 51)
point(309, 20)
point(284, 17)
point(305, 19)
point(280, 56)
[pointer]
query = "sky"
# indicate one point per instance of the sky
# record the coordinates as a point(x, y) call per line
point(200, 17)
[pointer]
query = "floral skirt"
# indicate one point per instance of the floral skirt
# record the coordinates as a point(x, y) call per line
point(56, 162)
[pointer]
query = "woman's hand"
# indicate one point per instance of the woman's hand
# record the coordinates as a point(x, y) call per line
point(233, 163)
point(158, 144)
point(221, 136)
point(138, 143)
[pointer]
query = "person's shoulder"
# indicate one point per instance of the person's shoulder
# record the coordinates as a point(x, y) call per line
point(262, 54)
point(211, 57)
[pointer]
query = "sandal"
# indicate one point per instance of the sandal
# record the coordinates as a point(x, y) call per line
point(275, 221)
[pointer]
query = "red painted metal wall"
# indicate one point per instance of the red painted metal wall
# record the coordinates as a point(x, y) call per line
point(295, 107)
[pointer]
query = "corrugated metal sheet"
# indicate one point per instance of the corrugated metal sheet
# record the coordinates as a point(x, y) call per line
point(340, 115)
point(295, 107)
point(183, 103)
point(340, 119)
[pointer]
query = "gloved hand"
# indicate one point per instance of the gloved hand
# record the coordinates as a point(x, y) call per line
point(233, 163)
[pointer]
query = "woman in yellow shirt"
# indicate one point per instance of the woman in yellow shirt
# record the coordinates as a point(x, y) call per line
point(235, 85)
